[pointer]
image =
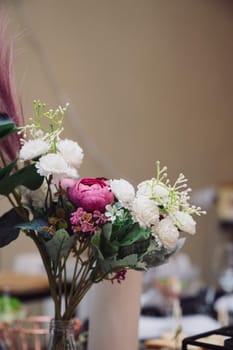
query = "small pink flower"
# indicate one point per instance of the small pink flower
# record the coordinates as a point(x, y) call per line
point(120, 275)
point(86, 222)
point(90, 194)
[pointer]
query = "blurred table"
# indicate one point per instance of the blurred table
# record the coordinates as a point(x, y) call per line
point(24, 286)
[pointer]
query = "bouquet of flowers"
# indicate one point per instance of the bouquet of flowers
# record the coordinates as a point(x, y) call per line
point(104, 224)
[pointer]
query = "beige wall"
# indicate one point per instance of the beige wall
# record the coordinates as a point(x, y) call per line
point(148, 80)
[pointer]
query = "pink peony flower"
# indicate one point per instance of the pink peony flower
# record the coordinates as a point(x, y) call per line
point(90, 194)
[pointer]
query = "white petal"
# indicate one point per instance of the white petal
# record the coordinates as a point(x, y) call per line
point(54, 164)
point(167, 233)
point(185, 222)
point(33, 148)
point(123, 191)
point(71, 152)
point(145, 211)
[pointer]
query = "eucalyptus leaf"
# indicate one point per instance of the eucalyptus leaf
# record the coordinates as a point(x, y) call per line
point(36, 225)
point(60, 245)
point(141, 266)
point(8, 231)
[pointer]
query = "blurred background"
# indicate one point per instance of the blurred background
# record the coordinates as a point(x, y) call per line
point(146, 80)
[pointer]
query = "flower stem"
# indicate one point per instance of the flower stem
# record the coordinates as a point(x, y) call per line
point(47, 265)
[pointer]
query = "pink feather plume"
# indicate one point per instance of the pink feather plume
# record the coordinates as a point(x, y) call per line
point(9, 101)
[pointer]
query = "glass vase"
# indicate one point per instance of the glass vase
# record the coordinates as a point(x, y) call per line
point(61, 335)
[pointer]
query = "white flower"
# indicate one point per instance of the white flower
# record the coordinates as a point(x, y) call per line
point(71, 152)
point(145, 188)
point(145, 211)
point(167, 233)
point(54, 164)
point(184, 222)
point(123, 191)
point(153, 190)
point(33, 148)
point(161, 194)
point(112, 212)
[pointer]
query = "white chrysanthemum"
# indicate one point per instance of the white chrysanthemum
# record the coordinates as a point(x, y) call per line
point(145, 211)
point(156, 191)
point(33, 148)
point(145, 188)
point(123, 191)
point(184, 222)
point(54, 164)
point(167, 233)
point(71, 152)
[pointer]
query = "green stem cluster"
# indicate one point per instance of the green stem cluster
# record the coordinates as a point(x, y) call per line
point(58, 281)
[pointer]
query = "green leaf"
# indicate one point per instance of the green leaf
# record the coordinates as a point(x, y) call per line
point(156, 255)
point(107, 247)
point(60, 245)
point(135, 234)
point(138, 248)
point(107, 230)
point(121, 229)
point(110, 265)
point(140, 266)
point(7, 127)
point(95, 241)
point(26, 176)
point(104, 247)
point(32, 179)
point(4, 172)
point(8, 231)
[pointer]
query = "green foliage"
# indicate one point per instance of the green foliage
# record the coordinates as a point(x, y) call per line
point(122, 225)
point(109, 265)
point(124, 251)
point(156, 255)
point(5, 172)
point(8, 231)
point(138, 247)
point(95, 242)
point(136, 233)
point(7, 127)
point(60, 245)
point(26, 176)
